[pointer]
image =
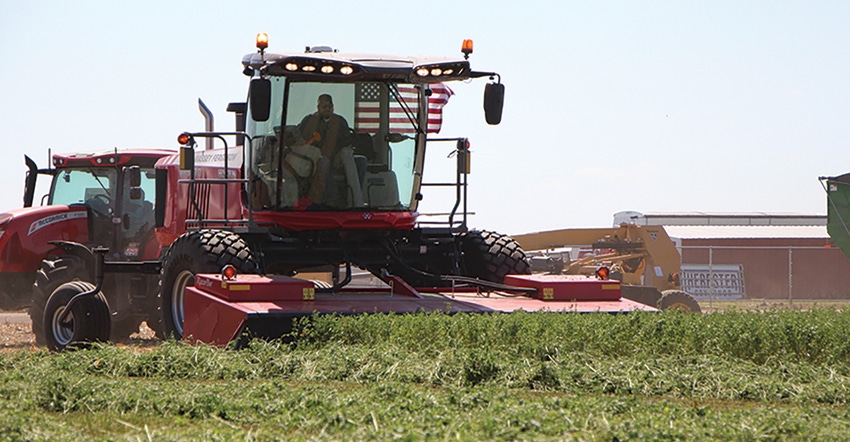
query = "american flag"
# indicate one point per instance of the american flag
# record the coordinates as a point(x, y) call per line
point(367, 114)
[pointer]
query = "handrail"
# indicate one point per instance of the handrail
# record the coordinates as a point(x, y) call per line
point(192, 180)
point(462, 152)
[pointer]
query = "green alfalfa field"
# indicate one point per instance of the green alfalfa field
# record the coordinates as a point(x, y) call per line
point(730, 375)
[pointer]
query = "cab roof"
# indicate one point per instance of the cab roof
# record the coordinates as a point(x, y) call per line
point(326, 64)
point(106, 158)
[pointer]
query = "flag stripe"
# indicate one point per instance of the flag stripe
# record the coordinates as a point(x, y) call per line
point(367, 108)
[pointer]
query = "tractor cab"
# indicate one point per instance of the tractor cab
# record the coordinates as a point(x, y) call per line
point(116, 190)
point(327, 148)
point(333, 132)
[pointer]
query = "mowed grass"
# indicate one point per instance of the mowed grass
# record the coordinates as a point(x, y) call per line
point(776, 375)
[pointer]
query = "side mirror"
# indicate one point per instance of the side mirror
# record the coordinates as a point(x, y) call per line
point(134, 176)
point(259, 94)
point(494, 101)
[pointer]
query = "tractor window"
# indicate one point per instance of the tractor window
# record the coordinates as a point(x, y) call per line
point(335, 146)
point(79, 186)
point(304, 100)
point(148, 186)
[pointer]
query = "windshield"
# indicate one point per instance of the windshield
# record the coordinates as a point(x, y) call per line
point(330, 146)
point(78, 186)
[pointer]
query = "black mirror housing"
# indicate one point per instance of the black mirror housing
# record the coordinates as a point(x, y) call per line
point(494, 101)
point(134, 175)
point(259, 94)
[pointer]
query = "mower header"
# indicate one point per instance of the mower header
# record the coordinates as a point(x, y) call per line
point(220, 310)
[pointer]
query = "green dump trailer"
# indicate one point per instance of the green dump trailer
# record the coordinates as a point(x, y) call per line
point(838, 210)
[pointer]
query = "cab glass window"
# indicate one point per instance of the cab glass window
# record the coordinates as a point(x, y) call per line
point(77, 186)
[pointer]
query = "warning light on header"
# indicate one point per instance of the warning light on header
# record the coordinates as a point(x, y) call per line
point(228, 272)
point(602, 272)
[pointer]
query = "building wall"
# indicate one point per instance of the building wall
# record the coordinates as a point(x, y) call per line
point(817, 270)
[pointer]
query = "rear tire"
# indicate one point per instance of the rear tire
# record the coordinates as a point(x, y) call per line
point(88, 322)
point(678, 300)
point(202, 251)
point(490, 256)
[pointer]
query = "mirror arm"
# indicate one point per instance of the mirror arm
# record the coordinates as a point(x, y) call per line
point(476, 74)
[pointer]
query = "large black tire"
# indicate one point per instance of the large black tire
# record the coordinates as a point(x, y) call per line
point(202, 251)
point(678, 300)
point(490, 256)
point(51, 274)
point(89, 320)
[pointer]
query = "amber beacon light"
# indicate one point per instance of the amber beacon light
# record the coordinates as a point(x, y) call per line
point(466, 48)
point(262, 41)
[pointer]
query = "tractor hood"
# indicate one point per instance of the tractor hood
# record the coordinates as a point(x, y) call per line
point(24, 234)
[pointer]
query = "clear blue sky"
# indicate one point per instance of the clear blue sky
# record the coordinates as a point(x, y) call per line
point(611, 105)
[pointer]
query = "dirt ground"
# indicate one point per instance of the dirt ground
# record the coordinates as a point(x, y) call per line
point(16, 332)
point(16, 335)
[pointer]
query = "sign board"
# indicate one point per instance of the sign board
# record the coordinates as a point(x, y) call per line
point(715, 282)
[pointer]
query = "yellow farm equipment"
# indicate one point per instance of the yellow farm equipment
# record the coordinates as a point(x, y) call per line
point(643, 258)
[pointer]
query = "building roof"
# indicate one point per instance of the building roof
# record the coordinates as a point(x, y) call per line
point(720, 219)
point(770, 231)
point(710, 225)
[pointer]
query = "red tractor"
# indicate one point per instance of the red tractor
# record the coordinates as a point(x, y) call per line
point(90, 203)
point(325, 175)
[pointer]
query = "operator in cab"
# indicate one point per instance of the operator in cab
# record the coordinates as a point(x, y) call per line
point(331, 134)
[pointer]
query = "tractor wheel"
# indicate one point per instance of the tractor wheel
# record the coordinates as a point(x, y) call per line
point(89, 320)
point(678, 300)
point(51, 274)
point(202, 251)
point(490, 256)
